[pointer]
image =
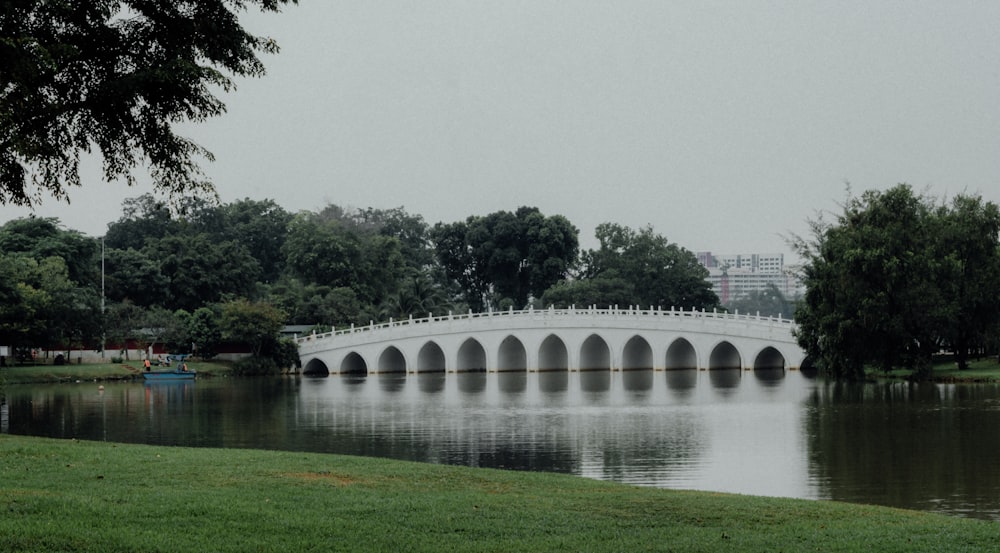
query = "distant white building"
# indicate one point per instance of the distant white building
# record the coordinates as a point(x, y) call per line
point(735, 275)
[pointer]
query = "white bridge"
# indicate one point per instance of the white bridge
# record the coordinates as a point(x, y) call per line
point(557, 340)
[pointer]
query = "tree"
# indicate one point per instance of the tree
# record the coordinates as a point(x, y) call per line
point(968, 241)
point(638, 268)
point(418, 297)
point(144, 219)
point(258, 226)
point(160, 325)
point(601, 291)
point(120, 323)
point(204, 330)
point(132, 275)
point(43, 237)
point(873, 293)
point(410, 230)
point(323, 251)
point(115, 74)
point(40, 304)
point(506, 256)
point(254, 324)
point(28, 291)
point(201, 271)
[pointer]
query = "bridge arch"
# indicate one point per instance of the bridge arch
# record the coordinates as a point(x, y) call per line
point(431, 358)
point(315, 367)
point(769, 358)
point(391, 360)
point(595, 355)
point(681, 355)
point(725, 356)
point(471, 357)
point(353, 363)
point(552, 354)
point(512, 355)
point(637, 354)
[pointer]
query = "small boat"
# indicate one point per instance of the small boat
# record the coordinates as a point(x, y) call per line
point(176, 374)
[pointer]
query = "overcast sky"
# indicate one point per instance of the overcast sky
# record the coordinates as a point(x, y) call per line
point(724, 125)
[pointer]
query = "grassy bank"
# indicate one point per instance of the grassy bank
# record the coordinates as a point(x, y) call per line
point(986, 369)
point(92, 496)
point(36, 374)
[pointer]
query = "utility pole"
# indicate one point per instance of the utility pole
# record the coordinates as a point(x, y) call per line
point(103, 320)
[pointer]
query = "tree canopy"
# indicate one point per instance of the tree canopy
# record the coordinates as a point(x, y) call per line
point(896, 278)
point(636, 268)
point(180, 274)
point(506, 258)
point(116, 75)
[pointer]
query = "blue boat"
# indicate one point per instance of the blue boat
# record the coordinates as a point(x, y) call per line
point(176, 374)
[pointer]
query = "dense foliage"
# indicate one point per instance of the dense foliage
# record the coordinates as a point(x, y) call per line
point(636, 268)
point(898, 278)
point(504, 259)
point(194, 276)
point(116, 75)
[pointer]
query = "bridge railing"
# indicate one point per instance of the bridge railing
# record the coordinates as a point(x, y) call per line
point(615, 311)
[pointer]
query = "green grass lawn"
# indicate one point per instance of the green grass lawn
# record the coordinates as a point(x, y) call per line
point(986, 369)
point(36, 374)
point(58, 495)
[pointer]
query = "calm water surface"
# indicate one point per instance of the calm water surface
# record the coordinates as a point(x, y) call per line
point(930, 447)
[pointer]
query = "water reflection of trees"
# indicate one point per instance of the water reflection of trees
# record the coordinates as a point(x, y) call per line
point(4, 412)
point(921, 446)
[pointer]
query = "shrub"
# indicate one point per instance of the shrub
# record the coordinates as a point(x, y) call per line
point(255, 366)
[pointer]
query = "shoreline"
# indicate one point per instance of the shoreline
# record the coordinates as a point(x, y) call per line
point(982, 372)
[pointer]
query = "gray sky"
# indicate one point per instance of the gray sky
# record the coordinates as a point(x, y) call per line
point(724, 125)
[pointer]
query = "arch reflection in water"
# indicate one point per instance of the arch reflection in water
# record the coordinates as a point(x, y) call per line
point(471, 382)
point(431, 382)
point(637, 380)
point(770, 377)
point(512, 382)
point(725, 381)
point(595, 381)
point(682, 381)
point(553, 382)
point(391, 382)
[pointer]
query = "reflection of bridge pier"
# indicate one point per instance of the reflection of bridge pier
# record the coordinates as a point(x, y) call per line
point(557, 340)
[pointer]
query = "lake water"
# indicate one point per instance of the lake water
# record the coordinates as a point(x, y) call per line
point(931, 447)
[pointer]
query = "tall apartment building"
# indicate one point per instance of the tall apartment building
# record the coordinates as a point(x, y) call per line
point(735, 275)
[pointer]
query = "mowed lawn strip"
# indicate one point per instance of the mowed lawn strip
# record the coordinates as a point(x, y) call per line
point(60, 495)
point(40, 374)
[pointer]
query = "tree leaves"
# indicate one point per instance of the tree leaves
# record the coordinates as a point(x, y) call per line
point(896, 278)
point(506, 257)
point(115, 74)
point(636, 268)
